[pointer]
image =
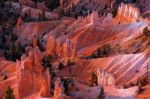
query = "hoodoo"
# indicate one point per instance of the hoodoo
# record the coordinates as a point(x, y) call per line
point(127, 13)
point(32, 79)
point(19, 22)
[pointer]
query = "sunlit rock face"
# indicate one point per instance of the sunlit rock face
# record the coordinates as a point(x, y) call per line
point(58, 89)
point(50, 45)
point(94, 18)
point(107, 21)
point(45, 84)
point(127, 13)
point(53, 46)
point(32, 79)
point(104, 78)
point(66, 49)
point(69, 50)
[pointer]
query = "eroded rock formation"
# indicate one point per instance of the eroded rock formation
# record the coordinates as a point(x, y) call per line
point(94, 18)
point(19, 22)
point(66, 49)
point(32, 79)
point(59, 91)
point(69, 50)
point(51, 45)
point(127, 13)
point(104, 78)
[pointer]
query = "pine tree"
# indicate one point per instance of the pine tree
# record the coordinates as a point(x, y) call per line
point(29, 14)
point(43, 15)
point(60, 66)
point(40, 16)
point(35, 1)
point(94, 79)
point(140, 89)
point(69, 62)
point(101, 94)
point(14, 37)
point(18, 50)
point(13, 51)
point(9, 93)
point(52, 4)
point(5, 77)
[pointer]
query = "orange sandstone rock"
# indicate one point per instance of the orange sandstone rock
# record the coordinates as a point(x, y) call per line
point(32, 79)
point(127, 13)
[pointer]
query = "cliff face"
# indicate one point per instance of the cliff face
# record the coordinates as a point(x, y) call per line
point(127, 13)
point(32, 79)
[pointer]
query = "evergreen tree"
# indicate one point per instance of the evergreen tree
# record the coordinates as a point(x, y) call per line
point(146, 31)
point(140, 89)
point(35, 1)
point(43, 15)
point(70, 62)
point(94, 79)
point(52, 4)
point(60, 66)
point(101, 94)
point(47, 61)
point(13, 37)
point(13, 51)
point(29, 14)
point(25, 18)
point(18, 50)
point(5, 77)
point(40, 16)
point(9, 93)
